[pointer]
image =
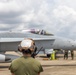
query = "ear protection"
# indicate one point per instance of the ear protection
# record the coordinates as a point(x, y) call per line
point(27, 44)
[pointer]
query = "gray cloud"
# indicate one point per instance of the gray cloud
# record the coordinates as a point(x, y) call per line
point(56, 16)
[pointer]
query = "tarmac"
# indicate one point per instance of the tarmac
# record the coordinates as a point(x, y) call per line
point(51, 67)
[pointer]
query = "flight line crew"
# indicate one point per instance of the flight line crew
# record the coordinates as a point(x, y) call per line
point(72, 54)
point(66, 54)
point(26, 65)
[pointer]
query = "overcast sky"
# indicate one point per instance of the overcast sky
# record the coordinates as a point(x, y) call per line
point(55, 16)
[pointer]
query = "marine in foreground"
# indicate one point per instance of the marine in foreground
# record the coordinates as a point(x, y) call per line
point(26, 65)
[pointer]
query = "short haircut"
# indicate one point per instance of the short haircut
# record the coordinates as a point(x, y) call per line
point(26, 51)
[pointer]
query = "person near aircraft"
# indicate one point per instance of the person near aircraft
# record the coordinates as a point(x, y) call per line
point(66, 54)
point(42, 32)
point(72, 54)
point(26, 65)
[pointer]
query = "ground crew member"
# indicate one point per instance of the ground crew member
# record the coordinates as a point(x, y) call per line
point(26, 65)
point(66, 54)
point(72, 54)
point(55, 54)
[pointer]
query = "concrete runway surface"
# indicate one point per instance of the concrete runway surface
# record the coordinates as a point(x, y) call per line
point(51, 67)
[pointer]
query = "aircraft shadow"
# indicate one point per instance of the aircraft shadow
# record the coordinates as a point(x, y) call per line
point(45, 65)
point(56, 56)
point(66, 65)
point(4, 67)
point(43, 56)
point(59, 65)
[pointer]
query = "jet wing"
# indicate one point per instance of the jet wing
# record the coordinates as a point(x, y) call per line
point(20, 39)
point(11, 39)
point(43, 39)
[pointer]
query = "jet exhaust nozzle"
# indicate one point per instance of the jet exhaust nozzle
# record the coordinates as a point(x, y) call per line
point(4, 58)
point(7, 58)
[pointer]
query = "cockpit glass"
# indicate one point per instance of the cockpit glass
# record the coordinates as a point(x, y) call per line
point(40, 32)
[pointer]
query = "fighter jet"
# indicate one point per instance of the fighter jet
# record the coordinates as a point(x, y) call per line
point(9, 41)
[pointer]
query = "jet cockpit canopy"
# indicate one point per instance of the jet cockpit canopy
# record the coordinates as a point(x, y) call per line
point(40, 32)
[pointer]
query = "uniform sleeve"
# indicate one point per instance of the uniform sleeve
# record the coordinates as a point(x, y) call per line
point(40, 68)
point(13, 67)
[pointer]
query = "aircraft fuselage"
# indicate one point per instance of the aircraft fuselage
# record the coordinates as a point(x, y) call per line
point(9, 41)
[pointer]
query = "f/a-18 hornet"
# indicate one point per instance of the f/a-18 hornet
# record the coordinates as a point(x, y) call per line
point(9, 41)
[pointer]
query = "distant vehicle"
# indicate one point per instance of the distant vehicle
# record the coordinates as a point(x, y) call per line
point(9, 41)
